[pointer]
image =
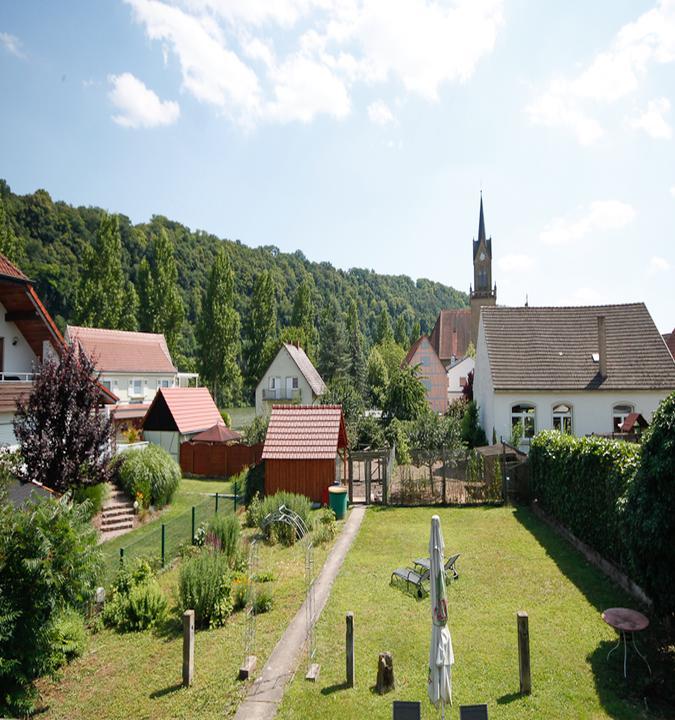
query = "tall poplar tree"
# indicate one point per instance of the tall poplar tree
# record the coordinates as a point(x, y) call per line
point(162, 308)
point(103, 297)
point(416, 332)
point(357, 355)
point(303, 317)
point(401, 333)
point(219, 334)
point(262, 327)
point(383, 331)
point(334, 358)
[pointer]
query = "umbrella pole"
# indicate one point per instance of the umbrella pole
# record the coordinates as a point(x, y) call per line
point(442, 710)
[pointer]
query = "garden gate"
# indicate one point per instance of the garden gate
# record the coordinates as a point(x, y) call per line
point(369, 475)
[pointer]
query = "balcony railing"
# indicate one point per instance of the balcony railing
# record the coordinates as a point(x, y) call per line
point(282, 394)
point(17, 377)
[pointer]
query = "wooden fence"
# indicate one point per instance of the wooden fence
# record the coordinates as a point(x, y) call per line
point(218, 459)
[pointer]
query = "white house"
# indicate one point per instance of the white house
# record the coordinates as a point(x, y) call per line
point(28, 335)
point(458, 374)
point(290, 377)
point(581, 370)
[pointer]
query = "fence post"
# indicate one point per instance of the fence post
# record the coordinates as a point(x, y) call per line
point(524, 652)
point(121, 556)
point(193, 524)
point(163, 542)
point(349, 641)
point(216, 502)
point(445, 484)
point(188, 647)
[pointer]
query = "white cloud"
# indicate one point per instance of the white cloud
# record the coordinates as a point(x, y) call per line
point(571, 102)
point(228, 60)
point(12, 44)
point(516, 263)
point(600, 216)
point(672, 191)
point(138, 105)
point(379, 113)
point(658, 264)
point(652, 120)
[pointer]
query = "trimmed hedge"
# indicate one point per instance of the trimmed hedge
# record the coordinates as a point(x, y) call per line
point(581, 482)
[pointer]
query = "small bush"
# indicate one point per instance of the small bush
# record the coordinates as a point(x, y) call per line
point(136, 602)
point(263, 602)
point(150, 472)
point(204, 586)
point(254, 510)
point(227, 419)
point(241, 592)
point(68, 637)
point(94, 494)
point(224, 533)
point(264, 577)
point(325, 526)
point(254, 482)
point(281, 532)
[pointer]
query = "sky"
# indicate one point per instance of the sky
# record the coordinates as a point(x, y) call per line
point(362, 132)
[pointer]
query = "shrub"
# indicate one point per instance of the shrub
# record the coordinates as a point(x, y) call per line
point(226, 418)
point(241, 592)
point(263, 602)
point(95, 495)
point(647, 511)
point(49, 561)
point(204, 586)
point(254, 482)
point(224, 533)
point(281, 532)
point(136, 601)
point(472, 433)
point(68, 636)
point(254, 510)
point(580, 481)
point(325, 526)
point(150, 471)
point(264, 576)
point(256, 430)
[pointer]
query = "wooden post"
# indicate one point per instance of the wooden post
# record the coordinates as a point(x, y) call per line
point(445, 479)
point(350, 480)
point(524, 652)
point(350, 648)
point(188, 647)
point(216, 502)
point(385, 673)
point(163, 543)
point(121, 556)
point(193, 525)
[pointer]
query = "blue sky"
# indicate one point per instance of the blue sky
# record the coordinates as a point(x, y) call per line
point(361, 131)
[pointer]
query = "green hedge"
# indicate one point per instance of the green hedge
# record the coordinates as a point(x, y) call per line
point(581, 482)
point(149, 474)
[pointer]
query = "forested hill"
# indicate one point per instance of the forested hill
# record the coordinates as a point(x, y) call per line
point(49, 240)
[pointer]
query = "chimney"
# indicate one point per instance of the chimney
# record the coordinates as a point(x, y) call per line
point(602, 346)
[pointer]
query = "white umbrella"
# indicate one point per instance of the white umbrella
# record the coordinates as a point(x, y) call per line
point(441, 657)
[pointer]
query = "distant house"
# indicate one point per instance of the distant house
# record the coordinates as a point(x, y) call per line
point(28, 335)
point(669, 339)
point(290, 377)
point(178, 414)
point(458, 376)
point(133, 365)
point(431, 372)
point(581, 370)
point(305, 449)
point(451, 335)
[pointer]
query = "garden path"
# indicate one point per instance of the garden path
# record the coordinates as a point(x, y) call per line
point(266, 692)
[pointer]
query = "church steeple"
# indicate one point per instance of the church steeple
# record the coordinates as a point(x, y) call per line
point(482, 292)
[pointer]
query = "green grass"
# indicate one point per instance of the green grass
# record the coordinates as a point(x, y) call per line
point(146, 539)
point(509, 561)
point(138, 675)
point(240, 416)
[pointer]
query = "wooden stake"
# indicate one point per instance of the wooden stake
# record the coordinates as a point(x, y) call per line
point(188, 647)
point(350, 648)
point(524, 652)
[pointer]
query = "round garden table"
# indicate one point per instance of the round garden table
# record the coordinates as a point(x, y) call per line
point(626, 622)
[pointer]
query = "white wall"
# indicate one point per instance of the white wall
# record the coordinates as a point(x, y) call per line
point(120, 384)
point(459, 370)
point(482, 386)
point(283, 366)
point(7, 429)
point(19, 357)
point(170, 440)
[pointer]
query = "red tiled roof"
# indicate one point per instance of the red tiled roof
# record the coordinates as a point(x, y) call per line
point(218, 433)
point(670, 342)
point(633, 419)
point(305, 432)
point(124, 351)
point(452, 333)
point(8, 269)
point(306, 367)
point(131, 411)
point(192, 409)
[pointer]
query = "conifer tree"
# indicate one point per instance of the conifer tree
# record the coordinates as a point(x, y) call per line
point(383, 331)
point(334, 357)
point(219, 334)
point(401, 334)
point(357, 356)
point(102, 292)
point(162, 309)
point(262, 327)
point(303, 317)
point(416, 332)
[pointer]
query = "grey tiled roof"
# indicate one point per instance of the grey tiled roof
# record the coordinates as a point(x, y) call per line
point(306, 368)
point(550, 348)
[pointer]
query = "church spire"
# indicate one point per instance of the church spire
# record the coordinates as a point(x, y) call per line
point(481, 220)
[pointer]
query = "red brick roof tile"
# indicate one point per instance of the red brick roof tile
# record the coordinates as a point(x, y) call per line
point(452, 333)
point(218, 433)
point(305, 432)
point(191, 409)
point(8, 269)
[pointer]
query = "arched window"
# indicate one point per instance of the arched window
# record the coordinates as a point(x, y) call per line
point(524, 413)
point(562, 418)
point(619, 414)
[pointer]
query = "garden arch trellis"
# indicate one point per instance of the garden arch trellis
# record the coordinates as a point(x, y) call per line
point(288, 517)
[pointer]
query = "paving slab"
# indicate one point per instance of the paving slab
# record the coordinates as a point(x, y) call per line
point(267, 691)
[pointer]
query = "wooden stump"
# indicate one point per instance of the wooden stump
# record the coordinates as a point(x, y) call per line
point(385, 673)
point(188, 647)
point(349, 646)
point(524, 652)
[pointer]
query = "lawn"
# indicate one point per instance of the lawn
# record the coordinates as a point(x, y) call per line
point(146, 539)
point(240, 416)
point(137, 675)
point(509, 561)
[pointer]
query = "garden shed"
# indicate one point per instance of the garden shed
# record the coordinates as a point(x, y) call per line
point(305, 449)
point(177, 414)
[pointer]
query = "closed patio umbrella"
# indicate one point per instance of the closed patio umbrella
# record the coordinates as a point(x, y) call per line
point(441, 656)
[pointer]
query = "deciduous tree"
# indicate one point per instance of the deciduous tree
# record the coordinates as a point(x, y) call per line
point(406, 398)
point(357, 357)
point(262, 340)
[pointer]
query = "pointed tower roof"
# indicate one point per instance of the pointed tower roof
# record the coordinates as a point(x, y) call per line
point(481, 220)
point(487, 242)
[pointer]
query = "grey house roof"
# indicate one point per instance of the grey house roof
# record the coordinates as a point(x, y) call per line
point(551, 348)
point(306, 367)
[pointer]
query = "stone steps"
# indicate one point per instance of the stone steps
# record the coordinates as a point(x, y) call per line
point(117, 514)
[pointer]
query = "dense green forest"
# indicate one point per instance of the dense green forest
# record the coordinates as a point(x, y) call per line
point(64, 250)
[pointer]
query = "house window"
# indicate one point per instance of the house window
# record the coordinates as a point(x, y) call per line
point(163, 384)
point(524, 414)
point(427, 384)
point(295, 383)
point(136, 387)
point(106, 384)
point(425, 361)
point(619, 414)
point(562, 418)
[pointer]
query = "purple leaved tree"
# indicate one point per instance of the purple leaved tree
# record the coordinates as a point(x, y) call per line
point(65, 438)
